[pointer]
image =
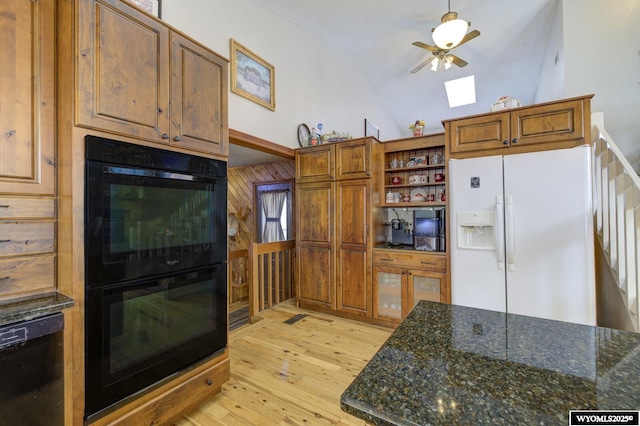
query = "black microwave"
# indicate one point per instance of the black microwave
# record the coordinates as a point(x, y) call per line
point(429, 230)
point(150, 211)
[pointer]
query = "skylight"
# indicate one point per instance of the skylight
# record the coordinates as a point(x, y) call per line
point(461, 91)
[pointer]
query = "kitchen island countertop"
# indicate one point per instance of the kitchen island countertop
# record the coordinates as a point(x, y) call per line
point(449, 365)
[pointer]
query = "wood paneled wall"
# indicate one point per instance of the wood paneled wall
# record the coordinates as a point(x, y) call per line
point(242, 181)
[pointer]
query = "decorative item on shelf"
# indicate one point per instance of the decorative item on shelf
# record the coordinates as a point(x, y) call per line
point(438, 177)
point(416, 127)
point(420, 160)
point(418, 179)
point(314, 138)
point(335, 137)
point(505, 102)
point(393, 163)
point(411, 163)
point(396, 180)
point(437, 159)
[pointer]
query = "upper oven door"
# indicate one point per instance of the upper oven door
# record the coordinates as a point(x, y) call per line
point(142, 222)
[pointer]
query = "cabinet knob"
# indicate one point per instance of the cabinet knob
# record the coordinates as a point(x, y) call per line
point(505, 142)
point(177, 138)
point(404, 272)
point(209, 382)
point(165, 136)
point(368, 173)
point(515, 140)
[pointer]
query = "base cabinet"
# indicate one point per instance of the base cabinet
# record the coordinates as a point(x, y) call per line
point(169, 403)
point(413, 277)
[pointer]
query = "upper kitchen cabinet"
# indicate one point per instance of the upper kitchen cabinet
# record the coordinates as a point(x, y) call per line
point(553, 125)
point(335, 161)
point(163, 87)
point(27, 90)
point(198, 97)
point(315, 164)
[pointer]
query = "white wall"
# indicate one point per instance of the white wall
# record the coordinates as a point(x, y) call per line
point(602, 42)
point(315, 81)
point(551, 83)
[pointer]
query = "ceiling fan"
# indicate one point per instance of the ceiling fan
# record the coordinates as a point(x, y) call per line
point(451, 33)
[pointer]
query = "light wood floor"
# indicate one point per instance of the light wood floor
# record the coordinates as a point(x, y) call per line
point(294, 374)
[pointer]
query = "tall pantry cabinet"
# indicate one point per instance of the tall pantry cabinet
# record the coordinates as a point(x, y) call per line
point(334, 197)
point(27, 151)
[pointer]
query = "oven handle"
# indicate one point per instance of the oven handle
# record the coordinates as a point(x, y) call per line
point(154, 174)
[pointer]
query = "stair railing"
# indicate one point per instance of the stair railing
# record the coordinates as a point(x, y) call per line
point(617, 215)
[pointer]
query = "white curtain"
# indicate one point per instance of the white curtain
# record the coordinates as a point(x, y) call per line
point(272, 204)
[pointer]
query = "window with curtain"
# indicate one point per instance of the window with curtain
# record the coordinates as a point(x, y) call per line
point(274, 212)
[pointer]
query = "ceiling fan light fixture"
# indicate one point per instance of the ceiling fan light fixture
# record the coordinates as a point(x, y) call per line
point(451, 32)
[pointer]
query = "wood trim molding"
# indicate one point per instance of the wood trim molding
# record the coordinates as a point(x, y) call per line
point(246, 140)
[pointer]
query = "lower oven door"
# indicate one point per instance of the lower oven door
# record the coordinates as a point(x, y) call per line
point(140, 332)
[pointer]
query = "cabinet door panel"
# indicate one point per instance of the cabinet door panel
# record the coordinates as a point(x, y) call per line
point(315, 213)
point(387, 293)
point(424, 285)
point(315, 275)
point(354, 210)
point(198, 98)
point(315, 164)
point(549, 123)
point(353, 160)
point(27, 163)
point(479, 133)
point(353, 293)
point(123, 86)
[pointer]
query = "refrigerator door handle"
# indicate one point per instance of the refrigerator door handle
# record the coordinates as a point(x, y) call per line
point(511, 263)
point(499, 231)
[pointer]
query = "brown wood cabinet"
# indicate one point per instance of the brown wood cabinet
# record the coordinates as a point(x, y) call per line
point(553, 125)
point(315, 244)
point(353, 283)
point(401, 280)
point(334, 198)
point(27, 151)
point(163, 88)
point(27, 94)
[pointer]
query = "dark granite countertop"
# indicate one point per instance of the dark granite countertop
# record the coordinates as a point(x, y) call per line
point(453, 365)
point(27, 308)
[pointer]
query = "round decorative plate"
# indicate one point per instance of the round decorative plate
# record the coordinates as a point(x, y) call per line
point(417, 192)
point(303, 134)
point(411, 163)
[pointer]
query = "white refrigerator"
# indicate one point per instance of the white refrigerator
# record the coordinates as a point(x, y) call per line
point(522, 234)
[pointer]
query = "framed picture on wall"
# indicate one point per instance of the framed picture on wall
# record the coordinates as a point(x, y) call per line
point(252, 77)
point(152, 6)
point(371, 129)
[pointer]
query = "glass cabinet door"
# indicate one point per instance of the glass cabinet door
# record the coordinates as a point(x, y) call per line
point(424, 285)
point(388, 292)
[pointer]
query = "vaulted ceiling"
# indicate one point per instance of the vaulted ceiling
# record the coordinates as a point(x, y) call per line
point(505, 59)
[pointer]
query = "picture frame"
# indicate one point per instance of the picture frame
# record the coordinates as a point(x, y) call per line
point(251, 76)
point(153, 7)
point(371, 129)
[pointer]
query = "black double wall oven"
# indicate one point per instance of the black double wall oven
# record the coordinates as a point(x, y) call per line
point(155, 244)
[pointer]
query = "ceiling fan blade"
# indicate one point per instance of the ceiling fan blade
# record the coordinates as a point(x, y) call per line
point(473, 34)
point(425, 46)
point(422, 65)
point(459, 62)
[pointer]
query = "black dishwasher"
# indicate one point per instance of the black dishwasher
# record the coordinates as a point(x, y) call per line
point(31, 372)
